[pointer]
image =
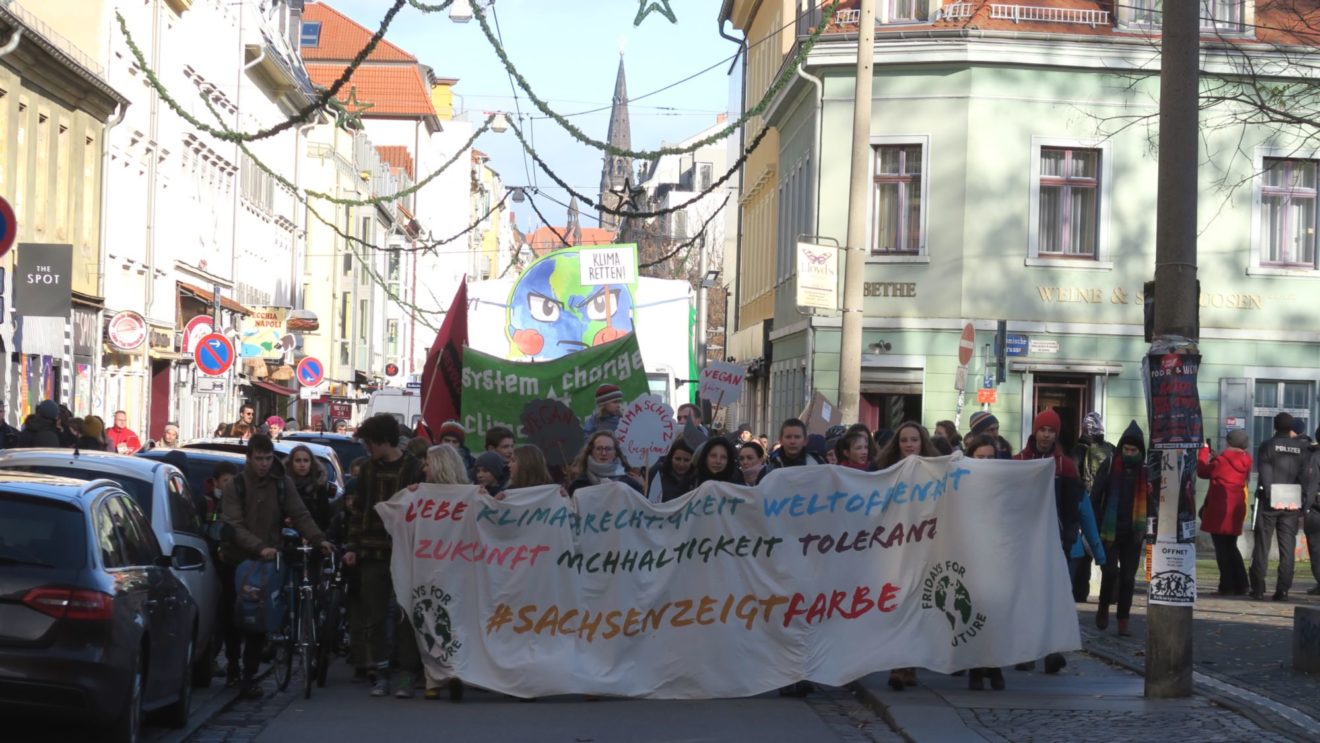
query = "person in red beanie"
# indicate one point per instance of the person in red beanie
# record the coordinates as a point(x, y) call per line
point(1044, 444)
point(453, 433)
point(1225, 507)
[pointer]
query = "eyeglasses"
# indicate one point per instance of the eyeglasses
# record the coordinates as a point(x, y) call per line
point(603, 449)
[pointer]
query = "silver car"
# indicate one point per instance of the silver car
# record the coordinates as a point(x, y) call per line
point(162, 492)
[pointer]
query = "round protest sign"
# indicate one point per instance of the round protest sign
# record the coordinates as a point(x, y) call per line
point(554, 429)
point(646, 430)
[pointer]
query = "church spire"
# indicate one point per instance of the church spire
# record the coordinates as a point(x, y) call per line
point(574, 229)
point(615, 176)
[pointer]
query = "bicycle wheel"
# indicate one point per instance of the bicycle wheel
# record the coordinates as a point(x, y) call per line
point(307, 643)
point(282, 665)
point(328, 635)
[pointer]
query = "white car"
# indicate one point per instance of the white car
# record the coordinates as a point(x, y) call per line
point(162, 492)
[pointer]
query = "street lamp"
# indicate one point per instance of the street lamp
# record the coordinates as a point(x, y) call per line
point(711, 279)
point(499, 124)
point(460, 11)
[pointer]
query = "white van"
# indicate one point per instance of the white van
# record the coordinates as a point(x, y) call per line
point(404, 405)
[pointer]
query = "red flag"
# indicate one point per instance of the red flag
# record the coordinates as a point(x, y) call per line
point(442, 375)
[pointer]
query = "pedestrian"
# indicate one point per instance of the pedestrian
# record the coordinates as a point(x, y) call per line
point(983, 447)
point(673, 475)
point(500, 440)
point(744, 433)
point(247, 416)
point(764, 441)
point(689, 413)
point(1044, 444)
point(291, 425)
point(92, 437)
point(854, 451)
point(751, 463)
point(444, 466)
point(528, 469)
point(41, 428)
point(950, 434)
point(985, 422)
point(1090, 453)
point(312, 484)
point(418, 446)
point(8, 434)
point(491, 473)
point(1279, 466)
point(169, 437)
point(454, 434)
point(1225, 508)
point(341, 426)
point(910, 440)
point(609, 407)
point(792, 450)
point(830, 452)
point(601, 461)
point(122, 439)
point(716, 461)
point(369, 548)
point(255, 506)
point(274, 427)
point(1121, 494)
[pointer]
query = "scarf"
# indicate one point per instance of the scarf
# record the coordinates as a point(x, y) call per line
point(597, 472)
point(1140, 497)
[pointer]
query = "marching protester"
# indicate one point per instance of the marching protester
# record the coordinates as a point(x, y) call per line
point(910, 439)
point(1225, 507)
point(609, 407)
point(985, 422)
point(454, 434)
point(444, 466)
point(1044, 444)
point(528, 468)
point(490, 472)
point(312, 485)
point(792, 451)
point(854, 451)
point(500, 440)
point(388, 471)
point(601, 461)
point(983, 446)
point(689, 413)
point(949, 432)
point(1090, 453)
point(751, 463)
point(341, 426)
point(1121, 494)
point(716, 461)
point(1310, 513)
point(1279, 466)
point(674, 475)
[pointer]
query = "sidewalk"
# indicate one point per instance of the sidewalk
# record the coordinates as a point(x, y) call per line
point(1090, 700)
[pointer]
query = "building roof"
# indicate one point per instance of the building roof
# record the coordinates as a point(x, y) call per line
point(342, 38)
point(397, 156)
point(543, 239)
point(392, 90)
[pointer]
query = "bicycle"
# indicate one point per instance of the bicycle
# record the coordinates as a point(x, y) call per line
point(299, 632)
point(331, 635)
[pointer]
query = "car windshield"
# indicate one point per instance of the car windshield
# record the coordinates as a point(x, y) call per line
point(140, 490)
point(40, 531)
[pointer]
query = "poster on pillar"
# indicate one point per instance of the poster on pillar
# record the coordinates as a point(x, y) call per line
point(1174, 402)
point(43, 299)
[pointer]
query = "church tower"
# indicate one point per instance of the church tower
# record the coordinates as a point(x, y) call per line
point(617, 175)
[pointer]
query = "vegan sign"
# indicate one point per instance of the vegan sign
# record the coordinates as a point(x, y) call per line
point(496, 391)
point(721, 382)
point(818, 573)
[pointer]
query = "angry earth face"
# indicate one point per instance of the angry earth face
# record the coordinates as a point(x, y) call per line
point(552, 314)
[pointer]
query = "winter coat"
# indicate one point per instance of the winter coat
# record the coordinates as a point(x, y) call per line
point(91, 443)
point(1279, 461)
point(125, 438)
point(1130, 510)
point(1067, 490)
point(1090, 543)
point(585, 482)
point(597, 422)
point(40, 432)
point(778, 459)
point(755, 479)
point(666, 486)
point(316, 492)
point(257, 515)
point(1225, 506)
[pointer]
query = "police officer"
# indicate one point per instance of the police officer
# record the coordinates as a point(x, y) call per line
point(1280, 462)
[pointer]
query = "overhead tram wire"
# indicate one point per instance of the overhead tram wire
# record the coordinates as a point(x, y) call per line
point(517, 107)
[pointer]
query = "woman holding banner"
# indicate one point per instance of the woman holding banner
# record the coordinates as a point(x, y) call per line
point(716, 461)
point(984, 446)
point(528, 469)
point(444, 466)
point(856, 451)
point(674, 475)
point(751, 463)
point(600, 462)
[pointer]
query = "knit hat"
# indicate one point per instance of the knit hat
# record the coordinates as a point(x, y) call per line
point(816, 444)
point(48, 409)
point(1299, 426)
point(93, 426)
point(1133, 436)
point(493, 462)
point(608, 393)
point(1045, 418)
point(453, 428)
point(275, 420)
point(1238, 438)
point(1093, 424)
point(983, 421)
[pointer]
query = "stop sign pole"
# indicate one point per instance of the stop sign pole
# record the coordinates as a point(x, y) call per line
point(966, 346)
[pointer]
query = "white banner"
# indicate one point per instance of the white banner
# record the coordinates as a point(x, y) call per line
point(819, 573)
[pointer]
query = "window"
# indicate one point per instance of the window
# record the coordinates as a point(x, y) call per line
point(1287, 213)
point(41, 530)
point(1222, 15)
point(362, 321)
point(679, 231)
point(1144, 13)
point(344, 320)
point(136, 543)
point(392, 267)
point(311, 34)
point(392, 337)
point(1069, 202)
point(1274, 397)
point(183, 514)
point(705, 174)
point(908, 10)
point(107, 538)
point(897, 200)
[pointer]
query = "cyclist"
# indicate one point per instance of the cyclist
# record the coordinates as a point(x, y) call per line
point(255, 504)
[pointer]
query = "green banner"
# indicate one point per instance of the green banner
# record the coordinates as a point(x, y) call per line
point(495, 390)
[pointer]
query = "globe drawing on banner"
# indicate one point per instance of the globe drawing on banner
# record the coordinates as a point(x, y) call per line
point(552, 313)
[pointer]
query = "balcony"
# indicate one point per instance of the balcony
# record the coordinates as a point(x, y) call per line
point(1029, 14)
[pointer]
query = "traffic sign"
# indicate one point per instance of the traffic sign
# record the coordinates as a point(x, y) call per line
point(987, 396)
point(214, 354)
point(966, 344)
point(310, 372)
point(195, 330)
point(391, 370)
point(988, 382)
point(8, 227)
point(960, 379)
point(209, 386)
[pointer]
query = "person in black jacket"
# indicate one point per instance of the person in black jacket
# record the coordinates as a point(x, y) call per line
point(40, 429)
point(717, 461)
point(674, 475)
point(1120, 494)
point(1279, 466)
point(792, 450)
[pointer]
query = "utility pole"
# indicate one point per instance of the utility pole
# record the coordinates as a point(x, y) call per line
point(859, 190)
point(1169, 628)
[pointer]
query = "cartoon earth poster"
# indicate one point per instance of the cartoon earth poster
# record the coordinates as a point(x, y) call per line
point(552, 314)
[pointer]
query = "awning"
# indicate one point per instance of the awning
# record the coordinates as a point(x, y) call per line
point(209, 298)
point(164, 355)
point(269, 387)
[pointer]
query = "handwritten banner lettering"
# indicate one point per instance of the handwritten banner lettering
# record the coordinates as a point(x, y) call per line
point(818, 573)
point(646, 430)
point(721, 382)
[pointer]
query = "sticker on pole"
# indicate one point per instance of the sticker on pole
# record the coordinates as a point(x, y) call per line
point(721, 382)
point(8, 227)
point(646, 430)
point(214, 354)
point(310, 372)
point(1172, 574)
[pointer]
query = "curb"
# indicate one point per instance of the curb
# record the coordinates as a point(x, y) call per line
point(200, 716)
point(873, 701)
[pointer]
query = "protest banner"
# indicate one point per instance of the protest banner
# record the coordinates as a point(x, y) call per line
point(819, 573)
point(554, 429)
point(721, 382)
point(496, 390)
point(646, 430)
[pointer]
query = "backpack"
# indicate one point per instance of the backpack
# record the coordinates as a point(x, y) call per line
point(262, 600)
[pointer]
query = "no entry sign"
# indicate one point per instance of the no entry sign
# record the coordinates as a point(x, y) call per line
point(966, 344)
point(214, 354)
point(310, 372)
point(8, 227)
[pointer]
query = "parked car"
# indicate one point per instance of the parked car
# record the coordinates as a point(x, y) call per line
point(347, 448)
point(94, 623)
point(197, 464)
point(165, 496)
point(324, 454)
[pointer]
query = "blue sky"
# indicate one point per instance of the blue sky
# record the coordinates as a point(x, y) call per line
point(568, 50)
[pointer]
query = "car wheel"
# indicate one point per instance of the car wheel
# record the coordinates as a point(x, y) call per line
point(176, 715)
point(128, 727)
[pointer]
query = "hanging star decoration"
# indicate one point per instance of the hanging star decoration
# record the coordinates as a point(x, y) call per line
point(348, 112)
point(646, 6)
point(629, 196)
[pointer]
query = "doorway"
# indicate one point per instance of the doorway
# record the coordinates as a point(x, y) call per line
point(1070, 397)
point(888, 410)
